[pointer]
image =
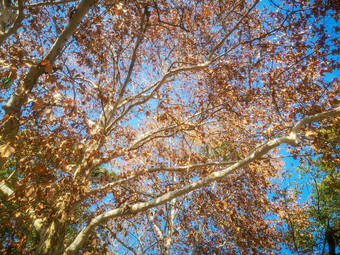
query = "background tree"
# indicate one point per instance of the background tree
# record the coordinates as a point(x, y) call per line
point(315, 227)
point(154, 124)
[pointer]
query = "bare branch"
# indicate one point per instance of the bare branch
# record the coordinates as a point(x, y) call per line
point(121, 242)
point(134, 53)
point(49, 3)
point(316, 118)
point(219, 45)
point(79, 13)
point(155, 228)
point(158, 169)
point(106, 121)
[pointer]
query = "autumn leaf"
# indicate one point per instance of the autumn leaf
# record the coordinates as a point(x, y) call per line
point(314, 63)
point(37, 104)
point(6, 117)
point(47, 67)
point(40, 169)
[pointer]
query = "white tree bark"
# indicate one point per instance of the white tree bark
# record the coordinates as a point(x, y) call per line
point(170, 228)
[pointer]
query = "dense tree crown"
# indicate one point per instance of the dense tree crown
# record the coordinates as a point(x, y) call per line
point(153, 126)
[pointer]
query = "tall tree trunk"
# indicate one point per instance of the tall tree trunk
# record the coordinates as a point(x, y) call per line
point(52, 239)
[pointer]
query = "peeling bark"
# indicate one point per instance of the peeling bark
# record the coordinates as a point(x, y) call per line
point(52, 239)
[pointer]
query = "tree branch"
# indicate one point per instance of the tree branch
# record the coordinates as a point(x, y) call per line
point(4, 35)
point(158, 169)
point(290, 139)
point(48, 3)
point(114, 235)
point(106, 121)
point(79, 13)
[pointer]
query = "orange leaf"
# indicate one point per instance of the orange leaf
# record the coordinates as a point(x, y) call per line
point(6, 116)
point(40, 170)
point(48, 68)
point(38, 104)
point(314, 63)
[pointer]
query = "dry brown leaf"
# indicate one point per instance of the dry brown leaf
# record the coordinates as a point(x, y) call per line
point(38, 104)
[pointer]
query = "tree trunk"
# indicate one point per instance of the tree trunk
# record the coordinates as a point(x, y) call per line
point(329, 236)
point(52, 239)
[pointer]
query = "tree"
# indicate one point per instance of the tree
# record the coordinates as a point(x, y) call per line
point(315, 228)
point(123, 120)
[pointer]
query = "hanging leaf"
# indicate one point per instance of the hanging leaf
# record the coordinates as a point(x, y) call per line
point(38, 104)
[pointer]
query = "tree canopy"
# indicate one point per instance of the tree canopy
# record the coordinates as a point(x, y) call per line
point(153, 126)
